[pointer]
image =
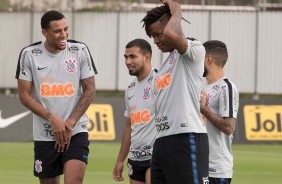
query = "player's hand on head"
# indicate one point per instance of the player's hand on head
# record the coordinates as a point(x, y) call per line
point(165, 2)
point(173, 6)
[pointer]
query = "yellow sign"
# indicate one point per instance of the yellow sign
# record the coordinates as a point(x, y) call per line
point(101, 124)
point(263, 122)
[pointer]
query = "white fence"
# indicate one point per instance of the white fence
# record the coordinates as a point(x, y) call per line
point(253, 40)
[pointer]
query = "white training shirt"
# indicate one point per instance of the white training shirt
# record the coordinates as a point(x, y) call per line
point(222, 99)
point(178, 90)
point(140, 108)
point(56, 82)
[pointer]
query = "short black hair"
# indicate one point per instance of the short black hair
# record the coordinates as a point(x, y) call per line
point(144, 46)
point(218, 50)
point(50, 16)
point(153, 16)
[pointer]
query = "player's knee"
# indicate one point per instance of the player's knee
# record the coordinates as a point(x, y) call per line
point(74, 180)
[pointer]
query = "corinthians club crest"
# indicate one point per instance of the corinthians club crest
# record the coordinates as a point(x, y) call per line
point(71, 65)
point(147, 92)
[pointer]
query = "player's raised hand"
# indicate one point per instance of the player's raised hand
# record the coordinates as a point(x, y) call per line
point(174, 6)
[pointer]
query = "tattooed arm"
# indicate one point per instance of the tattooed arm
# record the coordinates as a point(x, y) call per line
point(226, 125)
point(88, 87)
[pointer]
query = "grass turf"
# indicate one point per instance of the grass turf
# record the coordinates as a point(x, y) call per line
point(253, 164)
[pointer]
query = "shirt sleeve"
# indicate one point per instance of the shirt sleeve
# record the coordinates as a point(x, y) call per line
point(126, 112)
point(195, 51)
point(228, 101)
point(87, 68)
point(24, 70)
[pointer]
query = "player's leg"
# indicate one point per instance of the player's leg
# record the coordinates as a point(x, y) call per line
point(202, 155)
point(136, 182)
point(148, 176)
point(157, 175)
point(137, 171)
point(54, 180)
point(177, 163)
point(75, 159)
point(74, 171)
point(184, 160)
point(47, 162)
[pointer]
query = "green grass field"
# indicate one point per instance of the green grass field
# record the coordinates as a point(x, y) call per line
point(253, 164)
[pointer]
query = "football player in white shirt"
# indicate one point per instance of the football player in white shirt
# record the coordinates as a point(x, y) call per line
point(220, 110)
point(56, 82)
point(140, 133)
point(180, 153)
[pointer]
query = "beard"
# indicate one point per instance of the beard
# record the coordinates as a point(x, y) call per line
point(137, 72)
point(205, 72)
point(134, 73)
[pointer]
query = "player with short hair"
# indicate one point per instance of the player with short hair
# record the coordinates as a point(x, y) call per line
point(220, 110)
point(180, 153)
point(139, 134)
point(56, 82)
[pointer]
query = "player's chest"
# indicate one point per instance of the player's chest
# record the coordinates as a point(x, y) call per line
point(141, 96)
point(60, 66)
point(213, 95)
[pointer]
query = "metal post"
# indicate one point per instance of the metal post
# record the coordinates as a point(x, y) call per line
point(31, 21)
point(117, 50)
point(73, 18)
point(256, 95)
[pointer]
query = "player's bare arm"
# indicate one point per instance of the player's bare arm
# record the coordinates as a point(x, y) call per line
point(88, 87)
point(123, 152)
point(58, 125)
point(173, 33)
point(226, 125)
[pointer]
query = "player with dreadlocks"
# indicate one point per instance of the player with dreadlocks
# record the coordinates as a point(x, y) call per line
point(181, 151)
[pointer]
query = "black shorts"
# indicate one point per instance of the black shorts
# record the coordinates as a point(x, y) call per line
point(181, 159)
point(49, 163)
point(219, 180)
point(137, 169)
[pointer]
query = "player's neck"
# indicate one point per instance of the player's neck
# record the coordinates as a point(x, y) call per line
point(214, 76)
point(144, 74)
point(51, 49)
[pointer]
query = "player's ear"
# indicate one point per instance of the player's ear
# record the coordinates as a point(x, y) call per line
point(148, 58)
point(209, 59)
point(44, 32)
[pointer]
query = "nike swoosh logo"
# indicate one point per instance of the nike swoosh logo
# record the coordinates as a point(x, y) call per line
point(41, 68)
point(8, 121)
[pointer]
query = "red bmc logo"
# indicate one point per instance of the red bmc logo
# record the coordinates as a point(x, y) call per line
point(140, 117)
point(163, 81)
point(57, 90)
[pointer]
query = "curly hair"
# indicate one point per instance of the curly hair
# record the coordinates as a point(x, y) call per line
point(154, 15)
